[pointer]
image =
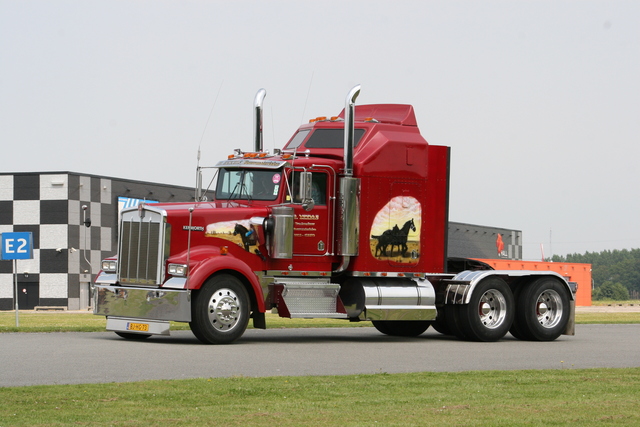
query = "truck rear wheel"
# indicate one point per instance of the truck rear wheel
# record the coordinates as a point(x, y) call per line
point(401, 328)
point(543, 310)
point(220, 311)
point(490, 311)
point(453, 322)
point(440, 324)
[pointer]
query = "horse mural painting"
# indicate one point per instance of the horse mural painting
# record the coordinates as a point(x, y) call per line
point(240, 232)
point(394, 243)
point(248, 236)
point(394, 237)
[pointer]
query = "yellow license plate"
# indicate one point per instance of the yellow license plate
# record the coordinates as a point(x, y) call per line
point(142, 327)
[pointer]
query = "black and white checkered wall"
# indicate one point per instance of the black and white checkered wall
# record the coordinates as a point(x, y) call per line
point(66, 253)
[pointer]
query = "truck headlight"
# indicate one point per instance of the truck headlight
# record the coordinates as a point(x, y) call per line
point(178, 270)
point(109, 266)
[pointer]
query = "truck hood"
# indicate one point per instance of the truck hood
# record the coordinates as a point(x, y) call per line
point(236, 223)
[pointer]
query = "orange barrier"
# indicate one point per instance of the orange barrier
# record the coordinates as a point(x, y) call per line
point(573, 272)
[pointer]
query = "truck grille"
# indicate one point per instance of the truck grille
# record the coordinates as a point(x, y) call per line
point(140, 258)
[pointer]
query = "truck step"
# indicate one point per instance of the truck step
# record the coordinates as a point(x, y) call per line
point(310, 299)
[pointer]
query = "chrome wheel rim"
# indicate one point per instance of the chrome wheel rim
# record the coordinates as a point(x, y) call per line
point(492, 309)
point(549, 308)
point(224, 310)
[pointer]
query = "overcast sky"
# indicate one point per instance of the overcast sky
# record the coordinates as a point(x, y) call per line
point(539, 100)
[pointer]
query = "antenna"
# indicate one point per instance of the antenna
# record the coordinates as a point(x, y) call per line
point(198, 194)
point(304, 110)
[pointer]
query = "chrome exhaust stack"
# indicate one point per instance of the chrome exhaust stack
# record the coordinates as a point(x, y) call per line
point(257, 119)
point(349, 197)
point(349, 129)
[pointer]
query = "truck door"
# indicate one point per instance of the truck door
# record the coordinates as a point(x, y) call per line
point(311, 233)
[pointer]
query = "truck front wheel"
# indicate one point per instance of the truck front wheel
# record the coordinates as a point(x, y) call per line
point(220, 311)
point(543, 310)
point(490, 311)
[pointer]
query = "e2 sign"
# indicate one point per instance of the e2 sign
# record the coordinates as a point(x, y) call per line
point(17, 245)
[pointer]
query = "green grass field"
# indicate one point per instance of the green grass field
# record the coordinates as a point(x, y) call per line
point(548, 397)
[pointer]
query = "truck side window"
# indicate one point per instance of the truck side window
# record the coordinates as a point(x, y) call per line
point(318, 188)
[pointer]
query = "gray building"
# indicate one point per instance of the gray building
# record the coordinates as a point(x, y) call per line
point(67, 254)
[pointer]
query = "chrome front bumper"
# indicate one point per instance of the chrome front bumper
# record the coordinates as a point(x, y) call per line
point(142, 303)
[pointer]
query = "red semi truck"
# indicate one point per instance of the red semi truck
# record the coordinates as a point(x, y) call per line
point(348, 221)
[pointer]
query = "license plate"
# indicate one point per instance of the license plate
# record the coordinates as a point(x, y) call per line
point(141, 327)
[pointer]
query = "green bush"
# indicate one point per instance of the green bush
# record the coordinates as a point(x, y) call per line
point(611, 291)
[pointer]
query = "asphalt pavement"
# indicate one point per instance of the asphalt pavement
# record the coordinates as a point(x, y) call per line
point(101, 357)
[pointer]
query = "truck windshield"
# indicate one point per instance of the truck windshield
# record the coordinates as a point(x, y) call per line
point(248, 184)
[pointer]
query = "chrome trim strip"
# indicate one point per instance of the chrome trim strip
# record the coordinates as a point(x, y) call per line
point(401, 274)
point(382, 274)
point(175, 283)
point(398, 312)
point(253, 163)
point(107, 278)
point(457, 293)
point(296, 274)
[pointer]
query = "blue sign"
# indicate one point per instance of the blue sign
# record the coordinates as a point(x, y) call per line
point(17, 245)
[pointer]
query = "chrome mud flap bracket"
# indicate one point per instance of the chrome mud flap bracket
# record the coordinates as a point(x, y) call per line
point(571, 324)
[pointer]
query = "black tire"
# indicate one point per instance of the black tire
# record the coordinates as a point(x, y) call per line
point(220, 311)
point(516, 329)
point(440, 324)
point(489, 314)
point(452, 319)
point(133, 337)
point(543, 309)
point(401, 328)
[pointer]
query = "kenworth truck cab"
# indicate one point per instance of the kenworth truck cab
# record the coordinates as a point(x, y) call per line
point(348, 221)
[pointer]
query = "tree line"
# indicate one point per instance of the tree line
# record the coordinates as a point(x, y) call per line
point(615, 274)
